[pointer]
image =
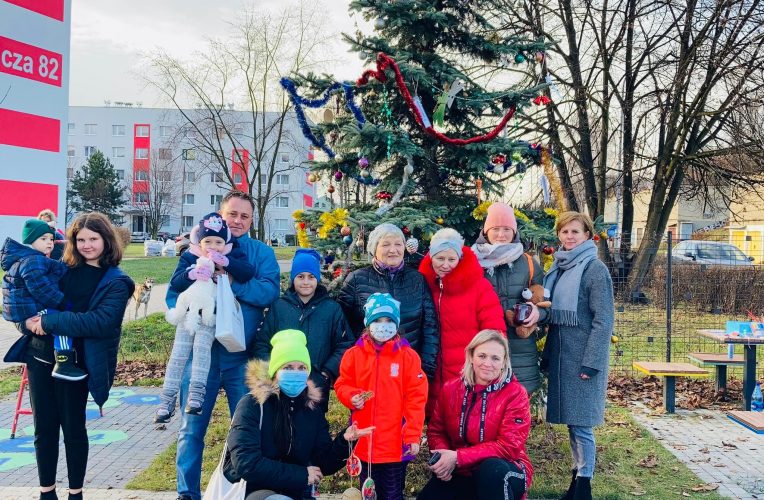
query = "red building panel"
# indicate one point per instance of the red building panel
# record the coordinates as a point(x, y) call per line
point(27, 198)
point(238, 168)
point(141, 147)
point(50, 8)
point(29, 131)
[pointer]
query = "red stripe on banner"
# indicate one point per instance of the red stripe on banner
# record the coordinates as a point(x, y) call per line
point(30, 62)
point(50, 8)
point(27, 198)
point(29, 131)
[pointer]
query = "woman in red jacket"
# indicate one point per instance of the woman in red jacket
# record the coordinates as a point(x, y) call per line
point(464, 300)
point(479, 428)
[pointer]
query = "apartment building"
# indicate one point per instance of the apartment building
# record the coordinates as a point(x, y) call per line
point(135, 139)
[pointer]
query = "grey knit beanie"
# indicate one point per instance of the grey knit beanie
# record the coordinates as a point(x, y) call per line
point(380, 232)
point(444, 239)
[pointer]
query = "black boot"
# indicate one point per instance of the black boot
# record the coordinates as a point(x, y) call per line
point(65, 368)
point(583, 488)
point(571, 489)
point(49, 495)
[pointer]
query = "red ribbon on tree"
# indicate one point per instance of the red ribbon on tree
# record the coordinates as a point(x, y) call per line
point(386, 62)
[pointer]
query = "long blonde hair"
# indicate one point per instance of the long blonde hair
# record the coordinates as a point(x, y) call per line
point(483, 336)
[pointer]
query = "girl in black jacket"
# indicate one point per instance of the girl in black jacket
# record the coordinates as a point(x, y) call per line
point(279, 440)
point(98, 292)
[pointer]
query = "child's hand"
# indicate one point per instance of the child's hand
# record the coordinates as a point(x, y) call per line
point(358, 401)
point(413, 449)
point(314, 474)
point(218, 258)
point(202, 273)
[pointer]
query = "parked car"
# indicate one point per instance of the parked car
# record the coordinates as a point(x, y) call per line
point(182, 242)
point(713, 253)
point(138, 236)
point(163, 235)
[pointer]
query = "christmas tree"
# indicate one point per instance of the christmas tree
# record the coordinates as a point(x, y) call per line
point(419, 140)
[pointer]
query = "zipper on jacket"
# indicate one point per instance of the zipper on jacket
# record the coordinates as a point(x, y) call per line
point(440, 345)
point(374, 409)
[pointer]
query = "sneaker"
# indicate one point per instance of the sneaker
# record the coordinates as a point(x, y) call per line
point(65, 368)
point(194, 407)
point(163, 415)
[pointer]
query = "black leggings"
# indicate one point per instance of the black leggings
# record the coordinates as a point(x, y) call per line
point(58, 404)
point(389, 479)
point(494, 479)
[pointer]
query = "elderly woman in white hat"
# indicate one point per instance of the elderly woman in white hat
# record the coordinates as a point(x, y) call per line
point(388, 274)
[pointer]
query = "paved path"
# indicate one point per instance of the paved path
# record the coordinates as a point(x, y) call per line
point(714, 447)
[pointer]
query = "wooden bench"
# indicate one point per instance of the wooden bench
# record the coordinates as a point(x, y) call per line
point(720, 361)
point(754, 420)
point(669, 372)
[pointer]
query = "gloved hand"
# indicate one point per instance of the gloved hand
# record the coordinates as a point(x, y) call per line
point(200, 273)
point(218, 258)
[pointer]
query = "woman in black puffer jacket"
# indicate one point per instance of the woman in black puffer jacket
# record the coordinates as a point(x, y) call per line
point(388, 274)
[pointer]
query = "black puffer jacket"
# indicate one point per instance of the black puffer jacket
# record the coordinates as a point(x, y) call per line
point(252, 452)
point(323, 323)
point(419, 323)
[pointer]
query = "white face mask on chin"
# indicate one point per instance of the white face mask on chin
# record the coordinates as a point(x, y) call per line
point(382, 332)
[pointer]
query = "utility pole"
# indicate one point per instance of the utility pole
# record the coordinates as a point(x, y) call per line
point(188, 154)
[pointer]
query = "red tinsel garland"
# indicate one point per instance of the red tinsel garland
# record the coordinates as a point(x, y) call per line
point(384, 62)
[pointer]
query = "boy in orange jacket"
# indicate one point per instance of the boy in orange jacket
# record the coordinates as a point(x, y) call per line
point(382, 382)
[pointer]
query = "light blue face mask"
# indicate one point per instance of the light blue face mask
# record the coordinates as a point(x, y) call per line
point(293, 382)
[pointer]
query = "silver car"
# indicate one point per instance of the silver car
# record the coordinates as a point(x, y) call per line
point(712, 253)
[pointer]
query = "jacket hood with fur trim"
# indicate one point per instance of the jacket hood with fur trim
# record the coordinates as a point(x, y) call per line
point(262, 387)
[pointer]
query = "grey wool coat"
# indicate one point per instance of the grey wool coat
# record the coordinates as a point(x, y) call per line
point(509, 280)
point(572, 400)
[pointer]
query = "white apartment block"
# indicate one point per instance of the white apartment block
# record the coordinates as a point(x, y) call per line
point(135, 138)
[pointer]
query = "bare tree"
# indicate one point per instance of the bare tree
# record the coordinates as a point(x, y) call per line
point(243, 73)
point(157, 192)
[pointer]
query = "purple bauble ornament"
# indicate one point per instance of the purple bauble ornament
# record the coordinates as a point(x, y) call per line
point(363, 162)
point(337, 176)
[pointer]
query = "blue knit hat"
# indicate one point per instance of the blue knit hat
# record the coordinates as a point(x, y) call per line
point(306, 260)
point(213, 224)
point(382, 305)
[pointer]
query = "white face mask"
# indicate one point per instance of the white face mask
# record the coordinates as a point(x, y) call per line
point(382, 332)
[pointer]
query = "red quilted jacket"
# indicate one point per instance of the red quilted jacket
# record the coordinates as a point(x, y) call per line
point(506, 428)
point(465, 303)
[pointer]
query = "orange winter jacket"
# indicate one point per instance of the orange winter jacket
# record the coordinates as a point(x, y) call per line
point(393, 372)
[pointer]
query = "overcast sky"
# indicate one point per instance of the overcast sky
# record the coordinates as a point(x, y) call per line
point(108, 38)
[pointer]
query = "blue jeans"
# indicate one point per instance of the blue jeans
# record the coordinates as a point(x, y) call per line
point(583, 448)
point(194, 427)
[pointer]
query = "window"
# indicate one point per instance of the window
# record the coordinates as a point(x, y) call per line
point(281, 224)
point(118, 130)
point(685, 230)
point(90, 128)
point(217, 177)
point(69, 172)
point(188, 199)
point(142, 131)
point(164, 198)
point(282, 179)
point(284, 157)
point(238, 129)
point(141, 197)
point(237, 178)
point(164, 175)
point(71, 128)
point(165, 220)
point(165, 154)
point(141, 154)
point(165, 131)
point(141, 175)
point(190, 176)
point(263, 179)
point(120, 174)
point(188, 221)
point(282, 202)
point(70, 151)
point(118, 152)
point(89, 151)
point(216, 200)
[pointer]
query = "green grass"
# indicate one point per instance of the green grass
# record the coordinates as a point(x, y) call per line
point(148, 340)
point(284, 253)
point(10, 378)
point(159, 268)
point(134, 250)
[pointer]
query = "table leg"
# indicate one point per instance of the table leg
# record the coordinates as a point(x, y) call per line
point(749, 375)
point(721, 378)
point(669, 394)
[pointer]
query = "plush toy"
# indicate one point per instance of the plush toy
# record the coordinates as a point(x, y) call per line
point(200, 296)
point(539, 296)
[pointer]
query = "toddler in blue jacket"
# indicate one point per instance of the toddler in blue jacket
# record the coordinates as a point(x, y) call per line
point(30, 286)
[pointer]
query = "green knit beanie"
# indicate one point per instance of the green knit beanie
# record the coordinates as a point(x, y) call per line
point(288, 346)
point(33, 229)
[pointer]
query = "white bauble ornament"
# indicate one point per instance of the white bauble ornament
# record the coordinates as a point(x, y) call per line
point(379, 23)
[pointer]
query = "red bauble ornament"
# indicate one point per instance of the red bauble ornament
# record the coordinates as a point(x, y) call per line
point(345, 231)
point(596, 237)
point(406, 231)
point(499, 159)
point(330, 189)
point(302, 225)
point(548, 250)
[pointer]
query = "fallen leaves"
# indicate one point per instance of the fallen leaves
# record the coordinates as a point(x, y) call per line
point(690, 394)
point(705, 487)
point(129, 372)
point(649, 462)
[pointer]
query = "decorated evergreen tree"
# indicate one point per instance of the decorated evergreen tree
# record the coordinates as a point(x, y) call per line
point(419, 139)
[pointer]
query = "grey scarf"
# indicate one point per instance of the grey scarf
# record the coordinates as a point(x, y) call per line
point(489, 255)
point(564, 277)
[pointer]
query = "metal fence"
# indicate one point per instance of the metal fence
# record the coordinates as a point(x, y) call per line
point(693, 284)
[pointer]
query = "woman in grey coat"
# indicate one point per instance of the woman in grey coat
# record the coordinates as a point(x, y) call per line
point(510, 270)
point(577, 348)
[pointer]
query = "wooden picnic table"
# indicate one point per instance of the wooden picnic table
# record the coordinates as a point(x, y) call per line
point(749, 355)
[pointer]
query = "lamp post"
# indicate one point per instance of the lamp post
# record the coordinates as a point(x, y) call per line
point(188, 154)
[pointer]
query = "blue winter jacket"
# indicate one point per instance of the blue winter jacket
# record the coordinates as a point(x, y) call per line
point(100, 328)
point(30, 283)
point(254, 296)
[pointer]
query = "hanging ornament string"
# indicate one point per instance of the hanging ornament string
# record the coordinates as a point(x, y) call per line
point(407, 171)
point(385, 62)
